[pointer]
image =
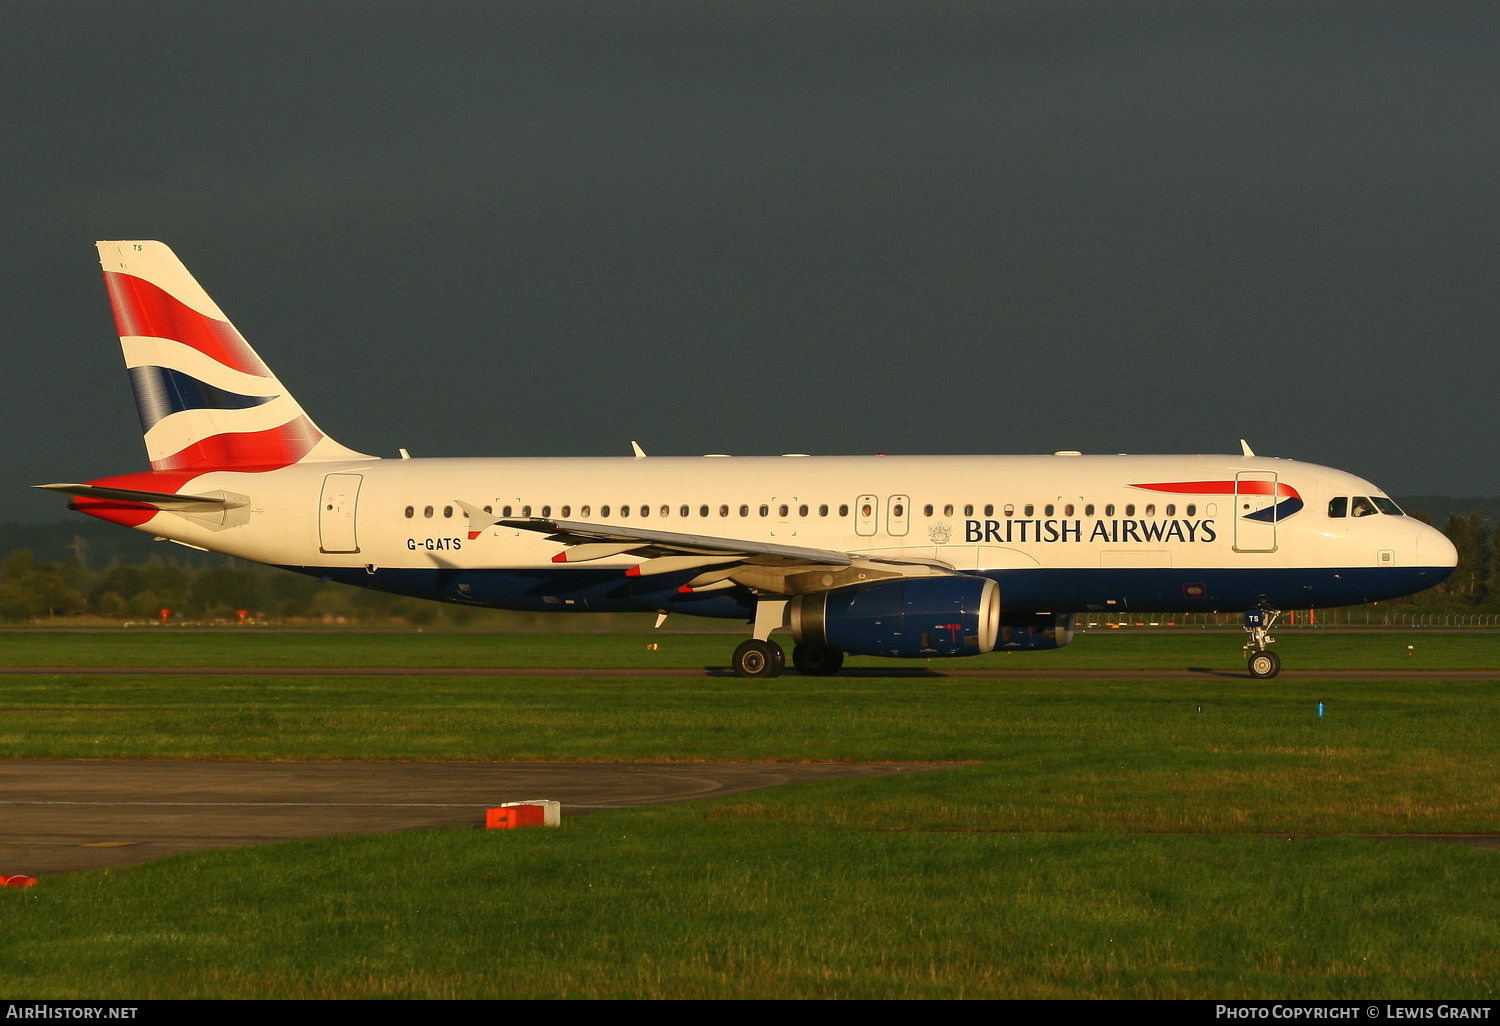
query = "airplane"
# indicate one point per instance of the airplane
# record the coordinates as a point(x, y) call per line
point(900, 556)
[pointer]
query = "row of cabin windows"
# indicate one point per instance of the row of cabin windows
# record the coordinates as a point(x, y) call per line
point(784, 510)
point(1363, 506)
point(1050, 509)
point(564, 512)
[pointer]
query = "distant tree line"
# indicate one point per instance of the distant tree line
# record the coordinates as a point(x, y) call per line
point(32, 590)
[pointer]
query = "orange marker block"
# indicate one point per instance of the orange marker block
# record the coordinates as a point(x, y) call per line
point(523, 814)
point(17, 881)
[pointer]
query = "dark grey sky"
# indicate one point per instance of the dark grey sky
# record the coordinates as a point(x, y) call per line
point(549, 228)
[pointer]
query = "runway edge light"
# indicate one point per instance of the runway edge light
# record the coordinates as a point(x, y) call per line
point(511, 815)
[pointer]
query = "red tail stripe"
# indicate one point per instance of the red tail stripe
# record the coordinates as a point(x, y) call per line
point(1223, 488)
point(267, 450)
point(142, 308)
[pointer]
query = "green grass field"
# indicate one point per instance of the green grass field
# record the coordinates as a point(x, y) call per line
point(1094, 837)
point(1100, 649)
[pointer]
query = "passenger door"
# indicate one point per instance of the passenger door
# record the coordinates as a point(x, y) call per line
point(1255, 511)
point(336, 513)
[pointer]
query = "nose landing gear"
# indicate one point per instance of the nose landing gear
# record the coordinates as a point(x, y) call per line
point(1263, 664)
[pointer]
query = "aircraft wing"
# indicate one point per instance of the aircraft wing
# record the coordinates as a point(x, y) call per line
point(726, 562)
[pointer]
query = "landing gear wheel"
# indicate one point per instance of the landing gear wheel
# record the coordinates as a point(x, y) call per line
point(816, 661)
point(1264, 665)
point(758, 659)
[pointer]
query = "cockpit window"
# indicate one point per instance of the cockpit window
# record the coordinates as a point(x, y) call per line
point(1339, 507)
point(1386, 506)
point(1362, 507)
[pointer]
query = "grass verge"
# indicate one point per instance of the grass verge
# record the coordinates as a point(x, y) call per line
point(1054, 755)
point(679, 902)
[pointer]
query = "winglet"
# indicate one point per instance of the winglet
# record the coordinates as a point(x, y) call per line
point(479, 520)
point(640, 453)
point(1245, 449)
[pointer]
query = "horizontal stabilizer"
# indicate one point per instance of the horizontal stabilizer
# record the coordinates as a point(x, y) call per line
point(161, 500)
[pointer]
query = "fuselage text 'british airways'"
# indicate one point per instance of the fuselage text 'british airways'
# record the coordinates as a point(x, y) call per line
point(1115, 532)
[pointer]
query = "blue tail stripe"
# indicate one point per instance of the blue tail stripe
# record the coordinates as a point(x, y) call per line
point(162, 391)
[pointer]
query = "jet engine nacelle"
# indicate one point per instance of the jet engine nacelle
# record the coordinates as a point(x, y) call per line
point(906, 617)
point(1036, 632)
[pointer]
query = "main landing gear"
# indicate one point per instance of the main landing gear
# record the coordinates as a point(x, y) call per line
point(755, 658)
point(1263, 663)
point(762, 657)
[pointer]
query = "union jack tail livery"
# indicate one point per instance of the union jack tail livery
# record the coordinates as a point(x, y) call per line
point(206, 400)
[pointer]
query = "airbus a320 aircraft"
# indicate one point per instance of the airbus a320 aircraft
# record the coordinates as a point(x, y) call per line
point(911, 556)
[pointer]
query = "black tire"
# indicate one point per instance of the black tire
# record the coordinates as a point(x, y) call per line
point(758, 659)
point(816, 661)
point(1264, 665)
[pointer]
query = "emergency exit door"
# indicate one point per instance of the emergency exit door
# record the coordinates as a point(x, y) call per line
point(866, 511)
point(1255, 511)
point(336, 513)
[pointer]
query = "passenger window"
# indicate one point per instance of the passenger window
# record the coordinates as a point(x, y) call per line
point(1191, 510)
point(765, 510)
point(645, 511)
point(666, 511)
point(624, 510)
point(989, 510)
point(1361, 507)
point(844, 510)
point(1088, 510)
point(584, 512)
point(1068, 510)
point(968, 510)
point(1386, 506)
point(1010, 510)
point(1130, 509)
point(703, 511)
point(410, 512)
point(486, 509)
point(525, 511)
point(926, 510)
point(1049, 509)
point(504, 512)
point(1171, 510)
point(823, 510)
point(802, 511)
point(1150, 509)
point(948, 510)
point(723, 511)
point(565, 512)
point(898, 511)
point(427, 511)
point(1338, 508)
point(866, 511)
point(1109, 510)
point(447, 511)
point(604, 512)
point(683, 511)
point(546, 511)
point(744, 511)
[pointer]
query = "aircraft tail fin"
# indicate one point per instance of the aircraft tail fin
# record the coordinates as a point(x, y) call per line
point(205, 399)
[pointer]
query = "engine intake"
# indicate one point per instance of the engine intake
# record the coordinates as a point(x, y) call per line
point(904, 617)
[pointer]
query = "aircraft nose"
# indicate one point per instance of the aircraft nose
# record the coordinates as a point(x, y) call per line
point(1434, 548)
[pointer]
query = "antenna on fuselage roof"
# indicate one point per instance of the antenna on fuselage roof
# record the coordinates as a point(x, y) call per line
point(1245, 449)
point(640, 453)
